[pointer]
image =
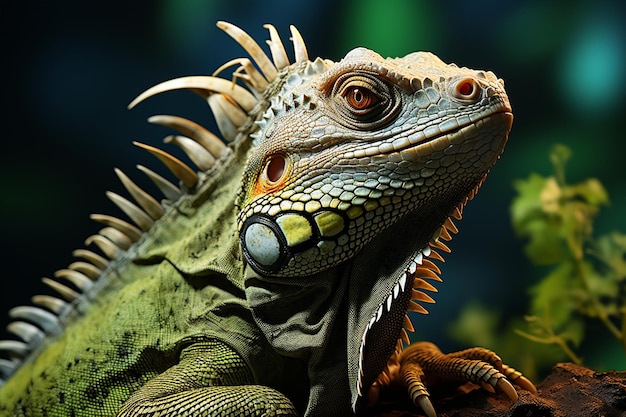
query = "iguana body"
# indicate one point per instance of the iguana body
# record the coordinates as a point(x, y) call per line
point(277, 280)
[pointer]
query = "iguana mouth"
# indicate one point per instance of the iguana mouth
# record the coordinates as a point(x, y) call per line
point(459, 134)
point(448, 134)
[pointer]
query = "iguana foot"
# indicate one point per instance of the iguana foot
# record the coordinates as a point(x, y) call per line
point(423, 365)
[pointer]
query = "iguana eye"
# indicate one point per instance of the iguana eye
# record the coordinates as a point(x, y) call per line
point(360, 98)
point(275, 170)
point(364, 100)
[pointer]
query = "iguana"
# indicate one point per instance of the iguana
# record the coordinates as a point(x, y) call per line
point(276, 278)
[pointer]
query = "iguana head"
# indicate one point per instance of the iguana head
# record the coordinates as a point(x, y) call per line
point(345, 154)
point(356, 169)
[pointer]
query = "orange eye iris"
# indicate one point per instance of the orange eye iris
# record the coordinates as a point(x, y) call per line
point(273, 176)
point(360, 98)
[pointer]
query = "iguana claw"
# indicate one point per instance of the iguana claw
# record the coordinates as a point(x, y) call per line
point(423, 363)
point(412, 376)
point(517, 378)
point(423, 401)
point(507, 388)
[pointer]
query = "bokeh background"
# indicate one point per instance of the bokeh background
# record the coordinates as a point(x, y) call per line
point(69, 68)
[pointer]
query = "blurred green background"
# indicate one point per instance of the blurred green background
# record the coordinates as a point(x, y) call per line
point(71, 67)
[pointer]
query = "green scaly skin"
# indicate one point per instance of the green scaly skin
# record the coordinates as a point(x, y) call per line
point(279, 281)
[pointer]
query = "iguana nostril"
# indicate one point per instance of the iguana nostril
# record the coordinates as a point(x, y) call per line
point(466, 89)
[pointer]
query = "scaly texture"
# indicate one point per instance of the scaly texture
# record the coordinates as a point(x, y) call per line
point(277, 278)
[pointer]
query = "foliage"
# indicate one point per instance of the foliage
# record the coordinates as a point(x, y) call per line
point(585, 282)
point(587, 278)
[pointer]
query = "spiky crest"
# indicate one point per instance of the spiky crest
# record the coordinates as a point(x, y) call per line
point(231, 104)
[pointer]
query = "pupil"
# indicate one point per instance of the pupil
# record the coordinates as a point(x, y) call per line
point(275, 168)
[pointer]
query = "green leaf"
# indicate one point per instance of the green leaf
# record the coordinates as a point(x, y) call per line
point(591, 190)
point(550, 196)
point(541, 332)
point(543, 339)
point(545, 246)
point(551, 297)
point(603, 288)
point(611, 251)
point(535, 216)
point(526, 205)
